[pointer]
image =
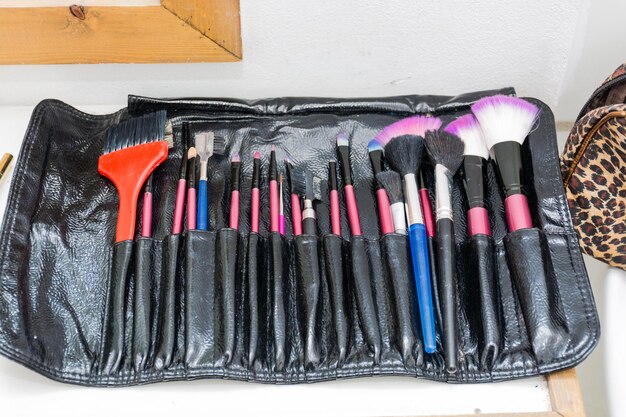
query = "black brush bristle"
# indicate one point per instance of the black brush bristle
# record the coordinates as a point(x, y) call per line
point(404, 154)
point(138, 130)
point(392, 183)
point(445, 149)
point(306, 185)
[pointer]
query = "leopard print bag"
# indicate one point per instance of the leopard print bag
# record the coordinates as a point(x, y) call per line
point(593, 166)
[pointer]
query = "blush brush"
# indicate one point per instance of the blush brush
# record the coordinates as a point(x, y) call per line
point(403, 145)
point(132, 150)
point(506, 122)
point(446, 153)
point(375, 151)
point(475, 157)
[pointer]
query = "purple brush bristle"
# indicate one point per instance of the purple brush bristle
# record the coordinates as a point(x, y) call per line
point(235, 158)
point(414, 126)
point(468, 129)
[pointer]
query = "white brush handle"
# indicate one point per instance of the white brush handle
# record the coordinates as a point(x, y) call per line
point(412, 198)
point(399, 219)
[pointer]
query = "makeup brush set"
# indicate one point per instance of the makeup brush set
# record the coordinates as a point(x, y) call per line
point(294, 240)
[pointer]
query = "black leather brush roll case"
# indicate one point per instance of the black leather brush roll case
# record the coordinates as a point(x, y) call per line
point(264, 307)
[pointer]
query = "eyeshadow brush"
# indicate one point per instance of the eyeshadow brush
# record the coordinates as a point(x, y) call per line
point(375, 151)
point(446, 152)
point(392, 183)
point(343, 149)
point(191, 189)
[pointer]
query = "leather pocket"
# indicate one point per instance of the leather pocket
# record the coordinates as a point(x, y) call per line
point(334, 261)
point(147, 277)
point(403, 299)
point(278, 271)
point(114, 327)
point(254, 266)
point(200, 323)
point(309, 296)
point(169, 319)
point(225, 270)
point(533, 275)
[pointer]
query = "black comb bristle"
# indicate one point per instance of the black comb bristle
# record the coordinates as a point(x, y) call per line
point(136, 131)
point(306, 185)
point(445, 149)
point(392, 183)
point(219, 145)
point(404, 154)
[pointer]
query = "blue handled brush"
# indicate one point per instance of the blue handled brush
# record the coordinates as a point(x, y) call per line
point(207, 145)
point(403, 145)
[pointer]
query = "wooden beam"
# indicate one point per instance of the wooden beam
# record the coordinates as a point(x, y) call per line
point(565, 394)
point(148, 34)
point(216, 19)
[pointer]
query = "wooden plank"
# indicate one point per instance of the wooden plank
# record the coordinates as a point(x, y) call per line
point(538, 414)
point(217, 19)
point(565, 394)
point(151, 34)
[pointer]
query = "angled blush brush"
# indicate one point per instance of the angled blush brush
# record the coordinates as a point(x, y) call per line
point(335, 207)
point(506, 122)
point(207, 145)
point(403, 145)
point(132, 150)
point(446, 152)
point(375, 151)
point(392, 183)
point(343, 149)
point(191, 188)
point(235, 164)
point(296, 210)
point(475, 157)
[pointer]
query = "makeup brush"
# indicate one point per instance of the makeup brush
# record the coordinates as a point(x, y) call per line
point(132, 150)
point(191, 188)
point(146, 211)
point(392, 183)
point(235, 163)
point(5, 161)
point(403, 146)
point(343, 149)
point(281, 207)
point(335, 208)
point(296, 210)
point(427, 208)
point(207, 145)
point(255, 193)
point(273, 181)
point(506, 122)
point(308, 187)
point(475, 160)
point(446, 153)
point(179, 208)
point(375, 151)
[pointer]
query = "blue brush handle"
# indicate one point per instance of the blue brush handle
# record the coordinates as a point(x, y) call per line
point(421, 270)
point(203, 206)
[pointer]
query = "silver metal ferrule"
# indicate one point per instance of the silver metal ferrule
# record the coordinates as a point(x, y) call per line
point(443, 192)
point(308, 211)
point(412, 197)
point(399, 217)
point(203, 169)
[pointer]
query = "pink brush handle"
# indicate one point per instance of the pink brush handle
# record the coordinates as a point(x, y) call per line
point(234, 210)
point(274, 212)
point(335, 213)
point(191, 209)
point(146, 216)
point(179, 209)
point(296, 215)
point(384, 212)
point(517, 212)
point(281, 224)
point(427, 211)
point(254, 221)
point(478, 221)
point(353, 210)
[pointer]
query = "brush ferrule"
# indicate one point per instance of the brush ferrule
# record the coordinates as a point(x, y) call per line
point(443, 192)
point(344, 157)
point(256, 173)
point(399, 219)
point(508, 159)
point(308, 212)
point(474, 168)
point(332, 175)
point(376, 158)
point(234, 176)
point(203, 169)
point(273, 171)
point(412, 197)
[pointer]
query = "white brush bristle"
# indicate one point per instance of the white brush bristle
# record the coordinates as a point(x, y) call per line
point(504, 118)
point(342, 140)
point(468, 129)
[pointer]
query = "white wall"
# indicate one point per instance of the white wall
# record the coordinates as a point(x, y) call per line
point(346, 48)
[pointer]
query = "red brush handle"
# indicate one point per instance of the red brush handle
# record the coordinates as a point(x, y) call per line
point(128, 169)
point(296, 215)
point(353, 210)
point(384, 212)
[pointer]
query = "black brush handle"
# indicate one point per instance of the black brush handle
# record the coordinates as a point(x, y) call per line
point(447, 289)
point(309, 226)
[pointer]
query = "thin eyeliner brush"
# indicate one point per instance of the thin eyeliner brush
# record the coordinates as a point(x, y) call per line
point(146, 213)
point(273, 185)
point(179, 208)
point(343, 149)
point(296, 210)
point(255, 196)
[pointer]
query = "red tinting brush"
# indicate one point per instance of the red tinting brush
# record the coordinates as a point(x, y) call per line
point(505, 122)
point(146, 213)
point(132, 150)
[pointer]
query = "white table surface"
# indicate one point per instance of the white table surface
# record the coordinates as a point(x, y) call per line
point(26, 393)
